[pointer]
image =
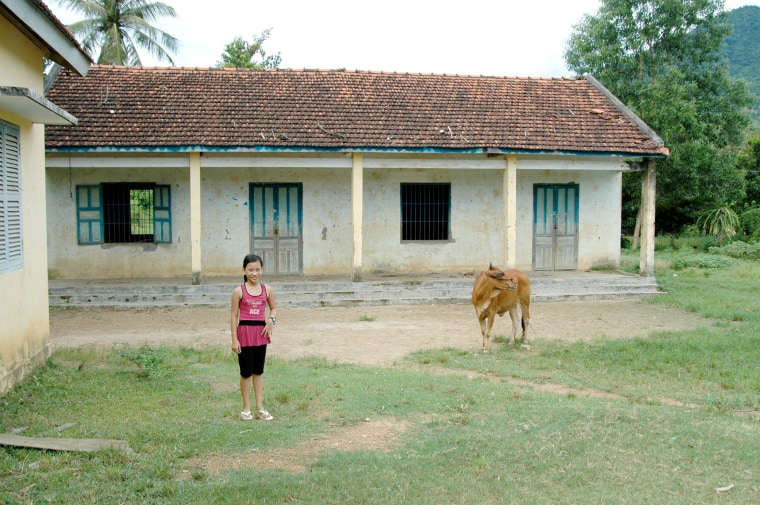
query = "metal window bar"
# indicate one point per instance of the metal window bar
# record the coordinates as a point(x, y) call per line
point(128, 213)
point(425, 211)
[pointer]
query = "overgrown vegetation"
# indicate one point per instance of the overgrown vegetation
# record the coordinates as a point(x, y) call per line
point(666, 61)
point(668, 418)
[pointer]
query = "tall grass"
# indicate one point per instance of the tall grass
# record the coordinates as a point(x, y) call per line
point(664, 419)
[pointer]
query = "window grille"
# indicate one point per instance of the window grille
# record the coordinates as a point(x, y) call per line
point(123, 213)
point(11, 243)
point(425, 211)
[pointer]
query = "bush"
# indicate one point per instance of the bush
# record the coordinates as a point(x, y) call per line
point(150, 361)
point(701, 260)
point(751, 224)
point(739, 249)
point(721, 223)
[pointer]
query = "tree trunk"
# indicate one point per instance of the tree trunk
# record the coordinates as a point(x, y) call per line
point(636, 230)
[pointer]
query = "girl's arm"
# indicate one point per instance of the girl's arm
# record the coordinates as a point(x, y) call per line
point(272, 303)
point(237, 294)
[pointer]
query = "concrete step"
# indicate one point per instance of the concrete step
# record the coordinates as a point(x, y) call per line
point(341, 293)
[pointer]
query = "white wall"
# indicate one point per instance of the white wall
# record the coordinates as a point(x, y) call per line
point(478, 236)
point(227, 219)
point(68, 259)
point(24, 320)
point(600, 206)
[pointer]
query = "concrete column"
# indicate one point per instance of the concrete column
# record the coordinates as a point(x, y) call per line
point(648, 187)
point(509, 195)
point(195, 217)
point(357, 196)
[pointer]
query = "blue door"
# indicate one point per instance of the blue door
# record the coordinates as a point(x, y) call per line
point(555, 227)
point(276, 227)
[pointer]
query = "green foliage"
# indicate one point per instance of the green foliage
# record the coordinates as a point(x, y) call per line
point(751, 224)
point(742, 49)
point(739, 249)
point(663, 60)
point(704, 261)
point(241, 54)
point(151, 362)
point(749, 162)
point(113, 30)
point(721, 222)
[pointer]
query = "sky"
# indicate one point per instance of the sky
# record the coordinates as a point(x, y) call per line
point(513, 38)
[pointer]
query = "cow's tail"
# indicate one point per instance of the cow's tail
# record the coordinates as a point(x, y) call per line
point(522, 322)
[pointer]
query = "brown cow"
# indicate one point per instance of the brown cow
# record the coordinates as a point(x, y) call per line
point(498, 291)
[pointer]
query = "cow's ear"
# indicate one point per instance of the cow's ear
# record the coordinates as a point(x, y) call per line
point(495, 274)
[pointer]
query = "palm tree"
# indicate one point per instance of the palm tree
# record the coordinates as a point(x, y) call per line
point(117, 28)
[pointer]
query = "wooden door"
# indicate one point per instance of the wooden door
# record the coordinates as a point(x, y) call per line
point(555, 227)
point(276, 215)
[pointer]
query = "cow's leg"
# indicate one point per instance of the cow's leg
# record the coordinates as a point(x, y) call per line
point(487, 336)
point(482, 320)
point(484, 330)
point(514, 316)
point(525, 309)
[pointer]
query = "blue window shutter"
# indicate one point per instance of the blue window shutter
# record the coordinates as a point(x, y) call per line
point(11, 231)
point(89, 215)
point(162, 215)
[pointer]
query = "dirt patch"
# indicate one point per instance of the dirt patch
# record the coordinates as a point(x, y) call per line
point(374, 435)
point(363, 335)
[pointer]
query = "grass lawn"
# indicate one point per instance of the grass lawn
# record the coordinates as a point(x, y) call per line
point(665, 419)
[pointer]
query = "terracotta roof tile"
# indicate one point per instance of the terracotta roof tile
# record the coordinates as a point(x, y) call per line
point(171, 107)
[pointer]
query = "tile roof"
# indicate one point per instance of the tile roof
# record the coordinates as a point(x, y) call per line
point(214, 108)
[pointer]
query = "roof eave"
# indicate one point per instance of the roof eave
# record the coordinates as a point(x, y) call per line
point(46, 34)
point(33, 107)
point(645, 128)
point(381, 150)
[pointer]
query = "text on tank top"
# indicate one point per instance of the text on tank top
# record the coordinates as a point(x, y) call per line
point(253, 308)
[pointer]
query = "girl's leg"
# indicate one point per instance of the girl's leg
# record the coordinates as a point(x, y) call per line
point(245, 392)
point(258, 391)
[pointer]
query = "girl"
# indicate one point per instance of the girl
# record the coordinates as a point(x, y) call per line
point(251, 331)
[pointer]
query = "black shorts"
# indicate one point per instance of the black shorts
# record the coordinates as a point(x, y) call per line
point(251, 360)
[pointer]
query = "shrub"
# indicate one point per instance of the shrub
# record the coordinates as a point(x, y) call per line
point(721, 222)
point(751, 223)
point(739, 249)
point(701, 261)
point(150, 361)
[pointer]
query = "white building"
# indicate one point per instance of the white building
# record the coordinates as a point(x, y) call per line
point(29, 33)
point(337, 172)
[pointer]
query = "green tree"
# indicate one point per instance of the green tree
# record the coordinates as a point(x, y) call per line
point(749, 162)
point(662, 58)
point(241, 54)
point(113, 30)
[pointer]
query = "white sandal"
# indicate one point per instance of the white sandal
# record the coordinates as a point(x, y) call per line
point(263, 415)
point(246, 415)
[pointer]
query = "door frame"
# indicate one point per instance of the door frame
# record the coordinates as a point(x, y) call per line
point(555, 214)
point(277, 260)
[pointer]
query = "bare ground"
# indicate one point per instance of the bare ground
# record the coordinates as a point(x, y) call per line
point(377, 336)
point(362, 335)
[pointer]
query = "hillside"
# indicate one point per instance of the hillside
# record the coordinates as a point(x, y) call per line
point(742, 48)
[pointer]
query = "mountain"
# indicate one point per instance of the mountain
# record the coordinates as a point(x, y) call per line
point(742, 47)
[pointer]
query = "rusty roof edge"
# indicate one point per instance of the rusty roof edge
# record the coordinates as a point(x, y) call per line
point(645, 128)
point(340, 150)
